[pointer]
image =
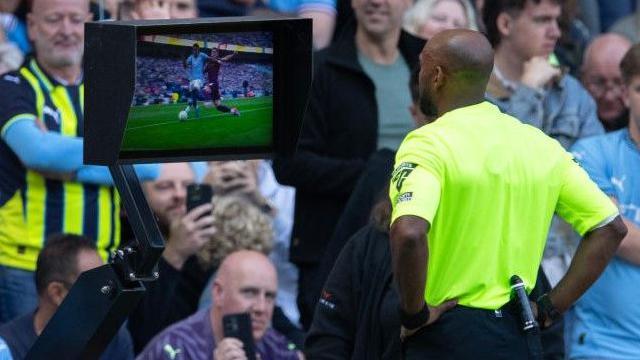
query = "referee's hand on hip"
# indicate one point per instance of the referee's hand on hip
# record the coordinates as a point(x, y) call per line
point(434, 315)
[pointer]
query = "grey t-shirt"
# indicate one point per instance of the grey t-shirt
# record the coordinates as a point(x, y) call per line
point(393, 98)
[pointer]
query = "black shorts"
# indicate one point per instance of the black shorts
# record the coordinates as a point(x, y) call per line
point(467, 333)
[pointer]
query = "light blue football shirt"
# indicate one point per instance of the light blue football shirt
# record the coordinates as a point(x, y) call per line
point(195, 66)
point(605, 322)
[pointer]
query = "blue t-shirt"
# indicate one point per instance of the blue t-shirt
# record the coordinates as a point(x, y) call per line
point(605, 321)
point(195, 66)
point(5, 352)
point(297, 6)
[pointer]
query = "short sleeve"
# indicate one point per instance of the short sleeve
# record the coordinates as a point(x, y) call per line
point(581, 203)
point(18, 101)
point(416, 180)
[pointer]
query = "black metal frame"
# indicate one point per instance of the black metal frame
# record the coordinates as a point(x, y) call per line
point(101, 299)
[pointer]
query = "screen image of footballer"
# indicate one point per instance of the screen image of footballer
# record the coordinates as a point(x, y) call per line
point(199, 91)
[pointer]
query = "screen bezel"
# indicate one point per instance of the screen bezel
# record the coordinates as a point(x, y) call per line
point(109, 85)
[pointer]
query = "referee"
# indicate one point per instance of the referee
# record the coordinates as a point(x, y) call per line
point(483, 187)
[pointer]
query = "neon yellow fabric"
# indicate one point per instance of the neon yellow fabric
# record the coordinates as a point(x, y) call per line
point(488, 185)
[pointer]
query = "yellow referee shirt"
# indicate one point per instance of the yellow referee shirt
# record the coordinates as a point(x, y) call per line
point(489, 185)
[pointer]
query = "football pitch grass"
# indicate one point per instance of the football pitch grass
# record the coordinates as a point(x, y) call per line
point(157, 127)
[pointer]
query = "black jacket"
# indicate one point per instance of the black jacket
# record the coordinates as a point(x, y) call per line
point(357, 316)
point(339, 133)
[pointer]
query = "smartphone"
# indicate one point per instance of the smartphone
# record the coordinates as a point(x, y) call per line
point(239, 326)
point(198, 194)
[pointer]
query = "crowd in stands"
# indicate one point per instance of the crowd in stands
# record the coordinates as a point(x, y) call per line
point(253, 39)
point(301, 243)
point(157, 79)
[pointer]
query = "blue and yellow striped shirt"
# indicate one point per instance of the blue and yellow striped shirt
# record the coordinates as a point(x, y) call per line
point(33, 206)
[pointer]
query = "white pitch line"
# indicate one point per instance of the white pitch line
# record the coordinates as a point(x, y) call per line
point(207, 117)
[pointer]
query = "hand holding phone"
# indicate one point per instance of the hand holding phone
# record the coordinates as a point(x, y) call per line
point(238, 326)
point(198, 194)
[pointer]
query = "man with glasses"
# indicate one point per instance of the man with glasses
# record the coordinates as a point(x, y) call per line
point(602, 78)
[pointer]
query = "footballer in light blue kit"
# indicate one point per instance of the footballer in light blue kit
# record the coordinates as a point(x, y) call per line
point(195, 68)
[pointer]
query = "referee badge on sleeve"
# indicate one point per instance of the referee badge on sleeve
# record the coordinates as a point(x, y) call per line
point(401, 173)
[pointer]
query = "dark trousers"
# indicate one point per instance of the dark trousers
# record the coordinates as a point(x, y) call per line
point(466, 333)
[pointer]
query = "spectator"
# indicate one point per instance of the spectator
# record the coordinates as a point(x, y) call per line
point(602, 78)
point(605, 322)
point(357, 105)
point(59, 265)
point(428, 17)
point(574, 38)
point(240, 226)
point(10, 56)
point(524, 83)
point(185, 234)
point(45, 187)
point(629, 27)
point(322, 12)
point(255, 181)
point(158, 9)
point(246, 282)
point(14, 26)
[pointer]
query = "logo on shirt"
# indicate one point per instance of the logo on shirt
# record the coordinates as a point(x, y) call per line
point(326, 300)
point(619, 182)
point(171, 352)
point(53, 113)
point(12, 78)
point(401, 172)
point(407, 196)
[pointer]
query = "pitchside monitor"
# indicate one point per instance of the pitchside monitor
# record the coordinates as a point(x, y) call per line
point(198, 89)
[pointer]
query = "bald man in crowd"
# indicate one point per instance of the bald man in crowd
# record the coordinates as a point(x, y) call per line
point(246, 282)
point(601, 76)
point(495, 184)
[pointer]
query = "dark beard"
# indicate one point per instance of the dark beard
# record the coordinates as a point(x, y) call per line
point(618, 123)
point(427, 106)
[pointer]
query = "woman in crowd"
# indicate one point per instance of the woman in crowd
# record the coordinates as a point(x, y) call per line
point(428, 17)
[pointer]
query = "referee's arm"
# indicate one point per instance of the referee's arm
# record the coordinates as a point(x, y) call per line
point(592, 256)
point(409, 256)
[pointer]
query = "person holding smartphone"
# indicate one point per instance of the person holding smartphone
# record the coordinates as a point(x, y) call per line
point(246, 283)
point(185, 232)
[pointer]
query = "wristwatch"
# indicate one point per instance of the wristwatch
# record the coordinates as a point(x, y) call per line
point(546, 310)
point(414, 321)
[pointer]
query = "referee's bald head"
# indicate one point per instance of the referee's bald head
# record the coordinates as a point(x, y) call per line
point(455, 68)
point(464, 54)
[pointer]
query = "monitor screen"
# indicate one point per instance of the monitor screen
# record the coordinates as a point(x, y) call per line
point(201, 91)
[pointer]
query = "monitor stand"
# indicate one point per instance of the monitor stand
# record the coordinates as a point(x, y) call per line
point(101, 299)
